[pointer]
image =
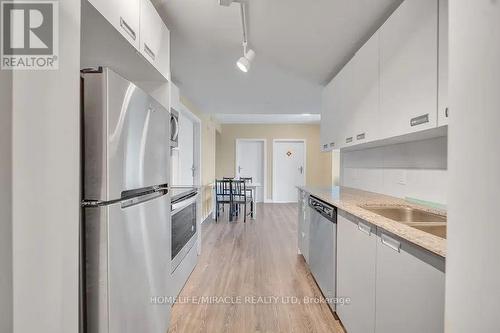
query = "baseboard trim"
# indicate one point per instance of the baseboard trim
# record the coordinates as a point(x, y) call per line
point(209, 215)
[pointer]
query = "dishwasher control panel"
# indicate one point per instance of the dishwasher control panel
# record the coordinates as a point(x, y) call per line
point(323, 208)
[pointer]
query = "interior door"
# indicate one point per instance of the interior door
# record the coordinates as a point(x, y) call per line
point(289, 169)
point(250, 163)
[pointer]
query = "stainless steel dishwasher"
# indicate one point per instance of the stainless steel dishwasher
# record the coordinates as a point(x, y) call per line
point(323, 247)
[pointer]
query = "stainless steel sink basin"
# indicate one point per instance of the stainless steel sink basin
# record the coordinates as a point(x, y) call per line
point(436, 230)
point(406, 215)
point(431, 223)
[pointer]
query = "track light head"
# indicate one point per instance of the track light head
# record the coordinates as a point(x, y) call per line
point(225, 3)
point(244, 62)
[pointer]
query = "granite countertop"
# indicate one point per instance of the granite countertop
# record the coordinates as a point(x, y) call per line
point(350, 200)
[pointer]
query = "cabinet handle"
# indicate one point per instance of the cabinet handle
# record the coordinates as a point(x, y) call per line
point(365, 228)
point(127, 28)
point(446, 112)
point(419, 120)
point(360, 136)
point(348, 140)
point(390, 242)
point(150, 53)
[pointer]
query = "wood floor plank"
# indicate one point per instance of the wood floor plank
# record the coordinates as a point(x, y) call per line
point(245, 261)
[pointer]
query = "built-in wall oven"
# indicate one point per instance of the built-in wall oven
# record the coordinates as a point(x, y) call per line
point(184, 218)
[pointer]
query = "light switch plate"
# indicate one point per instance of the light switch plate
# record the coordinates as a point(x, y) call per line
point(402, 178)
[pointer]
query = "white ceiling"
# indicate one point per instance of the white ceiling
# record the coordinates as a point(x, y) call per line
point(300, 45)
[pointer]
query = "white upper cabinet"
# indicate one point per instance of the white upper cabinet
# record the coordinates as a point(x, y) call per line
point(365, 103)
point(408, 68)
point(154, 38)
point(395, 84)
point(123, 15)
point(330, 115)
point(351, 101)
point(443, 111)
point(141, 25)
point(345, 95)
point(327, 114)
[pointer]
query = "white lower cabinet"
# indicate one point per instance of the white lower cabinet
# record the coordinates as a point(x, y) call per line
point(410, 287)
point(356, 263)
point(394, 286)
point(303, 227)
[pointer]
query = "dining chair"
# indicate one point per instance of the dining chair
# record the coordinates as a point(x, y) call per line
point(222, 197)
point(248, 180)
point(239, 196)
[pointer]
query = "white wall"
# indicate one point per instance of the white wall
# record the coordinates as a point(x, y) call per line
point(415, 169)
point(46, 127)
point(473, 260)
point(5, 201)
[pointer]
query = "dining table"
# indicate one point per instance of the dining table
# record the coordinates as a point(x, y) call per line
point(250, 186)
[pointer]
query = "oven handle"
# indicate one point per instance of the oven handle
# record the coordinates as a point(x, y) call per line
point(177, 207)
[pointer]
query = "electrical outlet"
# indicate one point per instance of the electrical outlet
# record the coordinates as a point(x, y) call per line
point(402, 178)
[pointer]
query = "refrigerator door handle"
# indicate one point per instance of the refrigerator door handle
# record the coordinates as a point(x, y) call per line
point(128, 199)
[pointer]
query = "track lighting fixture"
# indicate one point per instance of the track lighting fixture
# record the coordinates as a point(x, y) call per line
point(245, 61)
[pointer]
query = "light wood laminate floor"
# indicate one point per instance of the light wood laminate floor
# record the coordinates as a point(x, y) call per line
point(258, 258)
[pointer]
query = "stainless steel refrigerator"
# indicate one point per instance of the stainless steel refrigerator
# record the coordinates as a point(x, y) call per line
point(126, 206)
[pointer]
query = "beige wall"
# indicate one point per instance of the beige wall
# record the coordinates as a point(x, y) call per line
point(319, 165)
point(209, 127)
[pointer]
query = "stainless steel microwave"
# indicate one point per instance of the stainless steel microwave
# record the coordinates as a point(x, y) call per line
point(174, 128)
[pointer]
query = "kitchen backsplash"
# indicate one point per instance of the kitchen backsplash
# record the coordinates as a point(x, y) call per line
point(415, 169)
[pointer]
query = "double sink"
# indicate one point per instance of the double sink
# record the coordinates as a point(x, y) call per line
point(419, 219)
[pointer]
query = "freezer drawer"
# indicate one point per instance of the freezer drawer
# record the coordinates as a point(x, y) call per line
point(128, 264)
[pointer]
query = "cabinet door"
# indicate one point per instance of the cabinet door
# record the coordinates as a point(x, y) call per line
point(443, 111)
point(164, 52)
point(329, 124)
point(345, 97)
point(409, 288)
point(365, 105)
point(356, 260)
point(155, 38)
point(123, 15)
point(408, 68)
point(303, 227)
